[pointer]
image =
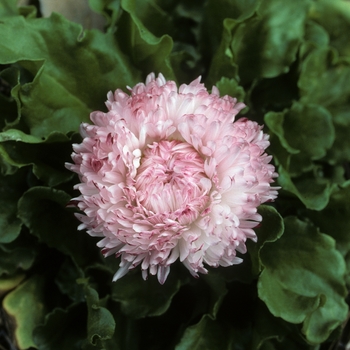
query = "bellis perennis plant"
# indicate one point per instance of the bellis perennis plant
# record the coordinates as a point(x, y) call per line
point(167, 173)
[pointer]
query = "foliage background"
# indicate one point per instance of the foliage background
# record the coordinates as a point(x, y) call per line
point(289, 61)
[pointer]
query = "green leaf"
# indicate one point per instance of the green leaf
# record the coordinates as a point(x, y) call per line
point(205, 335)
point(185, 63)
point(141, 298)
point(11, 189)
point(47, 156)
point(273, 94)
point(67, 280)
point(273, 333)
point(62, 329)
point(149, 14)
point(275, 121)
point(101, 324)
point(230, 87)
point(61, 96)
point(218, 291)
point(323, 77)
point(313, 192)
point(265, 45)
point(270, 230)
point(9, 78)
point(42, 210)
point(110, 9)
point(334, 218)
point(333, 15)
point(14, 259)
point(25, 305)
point(306, 131)
point(9, 283)
point(280, 37)
point(147, 52)
point(266, 327)
point(303, 280)
point(8, 109)
point(340, 151)
point(314, 35)
point(216, 11)
point(8, 8)
point(302, 135)
point(223, 63)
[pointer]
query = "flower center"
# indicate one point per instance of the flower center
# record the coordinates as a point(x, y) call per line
point(171, 180)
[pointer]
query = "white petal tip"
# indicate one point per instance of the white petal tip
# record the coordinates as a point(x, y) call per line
point(121, 272)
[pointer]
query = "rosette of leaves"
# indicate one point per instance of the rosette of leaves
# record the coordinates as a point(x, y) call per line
point(289, 62)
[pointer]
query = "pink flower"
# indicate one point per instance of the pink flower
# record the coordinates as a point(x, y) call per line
point(167, 174)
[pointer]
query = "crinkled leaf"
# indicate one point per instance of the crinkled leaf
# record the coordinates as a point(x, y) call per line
point(306, 131)
point(47, 156)
point(235, 273)
point(9, 283)
point(65, 63)
point(28, 11)
point(179, 20)
point(333, 15)
point(184, 63)
point(216, 11)
point(347, 277)
point(11, 189)
point(43, 211)
point(323, 77)
point(228, 331)
point(273, 94)
point(8, 8)
point(147, 52)
point(8, 109)
point(62, 329)
point(14, 259)
point(303, 280)
point(67, 280)
point(141, 298)
point(9, 78)
point(340, 151)
point(186, 18)
point(101, 324)
point(149, 14)
point(275, 123)
point(7, 166)
point(266, 327)
point(230, 87)
point(37, 104)
point(110, 9)
point(273, 333)
point(218, 291)
point(280, 155)
point(25, 306)
point(124, 337)
point(275, 39)
point(223, 62)
point(315, 34)
point(313, 192)
point(280, 36)
point(160, 36)
point(301, 135)
point(206, 334)
point(334, 219)
point(270, 230)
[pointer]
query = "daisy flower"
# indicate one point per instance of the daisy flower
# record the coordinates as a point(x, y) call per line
point(168, 174)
